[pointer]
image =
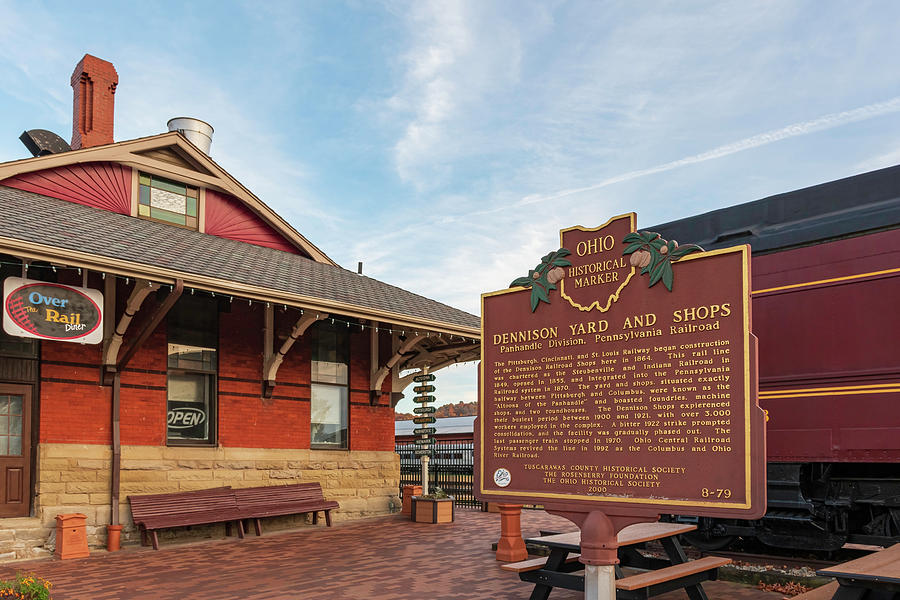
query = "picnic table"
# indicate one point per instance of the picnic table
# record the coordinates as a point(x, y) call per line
point(872, 577)
point(560, 567)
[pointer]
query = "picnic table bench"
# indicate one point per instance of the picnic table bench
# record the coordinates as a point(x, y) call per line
point(825, 592)
point(558, 569)
point(872, 577)
point(152, 512)
point(272, 501)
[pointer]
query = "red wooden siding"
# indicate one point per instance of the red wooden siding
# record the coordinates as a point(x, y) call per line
point(99, 184)
point(226, 217)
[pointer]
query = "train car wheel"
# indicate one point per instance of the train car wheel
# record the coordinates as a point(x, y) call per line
point(709, 535)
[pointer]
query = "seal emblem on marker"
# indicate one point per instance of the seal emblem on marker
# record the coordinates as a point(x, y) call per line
point(502, 477)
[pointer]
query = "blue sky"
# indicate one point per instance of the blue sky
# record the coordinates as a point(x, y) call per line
point(445, 143)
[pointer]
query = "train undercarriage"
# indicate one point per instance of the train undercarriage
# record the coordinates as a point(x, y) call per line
point(817, 507)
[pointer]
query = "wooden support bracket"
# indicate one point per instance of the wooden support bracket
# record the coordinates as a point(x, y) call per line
point(142, 289)
point(273, 362)
point(470, 353)
point(379, 375)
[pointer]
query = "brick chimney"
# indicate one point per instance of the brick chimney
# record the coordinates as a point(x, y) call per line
point(94, 86)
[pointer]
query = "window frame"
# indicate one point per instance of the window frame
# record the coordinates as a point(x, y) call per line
point(343, 337)
point(211, 377)
point(136, 202)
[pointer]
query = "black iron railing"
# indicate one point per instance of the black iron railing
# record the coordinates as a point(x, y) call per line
point(450, 469)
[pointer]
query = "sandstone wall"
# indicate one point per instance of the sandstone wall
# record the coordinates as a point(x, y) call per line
point(75, 478)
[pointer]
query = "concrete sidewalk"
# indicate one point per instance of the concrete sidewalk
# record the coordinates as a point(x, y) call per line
point(385, 557)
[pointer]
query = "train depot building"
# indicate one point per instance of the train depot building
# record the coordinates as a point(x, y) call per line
point(165, 330)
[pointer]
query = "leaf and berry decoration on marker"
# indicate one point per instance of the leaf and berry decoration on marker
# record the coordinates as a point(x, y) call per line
point(655, 256)
point(544, 277)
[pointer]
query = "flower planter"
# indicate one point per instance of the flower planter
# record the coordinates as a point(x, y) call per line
point(432, 510)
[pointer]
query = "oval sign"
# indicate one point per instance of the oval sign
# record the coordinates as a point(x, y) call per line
point(51, 311)
point(185, 417)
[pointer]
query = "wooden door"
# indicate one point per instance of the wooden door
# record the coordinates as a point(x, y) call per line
point(15, 450)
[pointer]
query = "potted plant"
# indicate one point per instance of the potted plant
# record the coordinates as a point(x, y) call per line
point(436, 507)
point(25, 587)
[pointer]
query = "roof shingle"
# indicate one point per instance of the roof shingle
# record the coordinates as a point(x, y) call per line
point(24, 216)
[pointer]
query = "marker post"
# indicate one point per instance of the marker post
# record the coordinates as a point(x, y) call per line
point(425, 442)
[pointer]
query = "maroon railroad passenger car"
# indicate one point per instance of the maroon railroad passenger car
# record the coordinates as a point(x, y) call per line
point(826, 282)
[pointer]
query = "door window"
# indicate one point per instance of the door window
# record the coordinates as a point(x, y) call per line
point(11, 425)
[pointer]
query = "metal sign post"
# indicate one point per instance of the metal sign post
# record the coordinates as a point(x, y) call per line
point(425, 442)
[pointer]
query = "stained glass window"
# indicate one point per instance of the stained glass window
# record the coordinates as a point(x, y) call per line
point(167, 201)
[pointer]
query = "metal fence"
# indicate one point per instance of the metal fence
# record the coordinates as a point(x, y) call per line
point(449, 469)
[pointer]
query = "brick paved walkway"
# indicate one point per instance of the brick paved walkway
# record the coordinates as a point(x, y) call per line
point(371, 559)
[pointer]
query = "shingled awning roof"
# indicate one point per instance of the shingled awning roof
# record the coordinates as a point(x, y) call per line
point(36, 226)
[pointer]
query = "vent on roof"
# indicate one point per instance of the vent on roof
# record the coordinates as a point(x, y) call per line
point(41, 142)
point(196, 131)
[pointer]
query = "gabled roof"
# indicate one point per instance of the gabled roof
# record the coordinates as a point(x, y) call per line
point(171, 155)
point(115, 243)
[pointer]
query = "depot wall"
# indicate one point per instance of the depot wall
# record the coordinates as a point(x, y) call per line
point(261, 441)
point(76, 478)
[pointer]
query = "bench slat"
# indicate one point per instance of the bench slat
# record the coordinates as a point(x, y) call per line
point(533, 564)
point(273, 501)
point(643, 580)
point(179, 509)
point(826, 592)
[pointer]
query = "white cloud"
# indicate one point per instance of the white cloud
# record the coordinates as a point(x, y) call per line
point(462, 57)
point(794, 130)
point(880, 161)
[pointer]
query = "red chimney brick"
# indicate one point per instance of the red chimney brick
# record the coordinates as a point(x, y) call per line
point(94, 85)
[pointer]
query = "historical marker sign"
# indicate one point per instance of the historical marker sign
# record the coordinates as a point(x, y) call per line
point(619, 375)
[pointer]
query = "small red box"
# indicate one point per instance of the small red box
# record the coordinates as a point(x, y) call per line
point(71, 536)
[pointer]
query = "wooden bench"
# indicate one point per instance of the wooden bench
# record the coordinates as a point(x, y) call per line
point(826, 592)
point(182, 509)
point(666, 579)
point(273, 501)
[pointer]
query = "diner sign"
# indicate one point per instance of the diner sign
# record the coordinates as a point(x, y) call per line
point(619, 375)
point(52, 311)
